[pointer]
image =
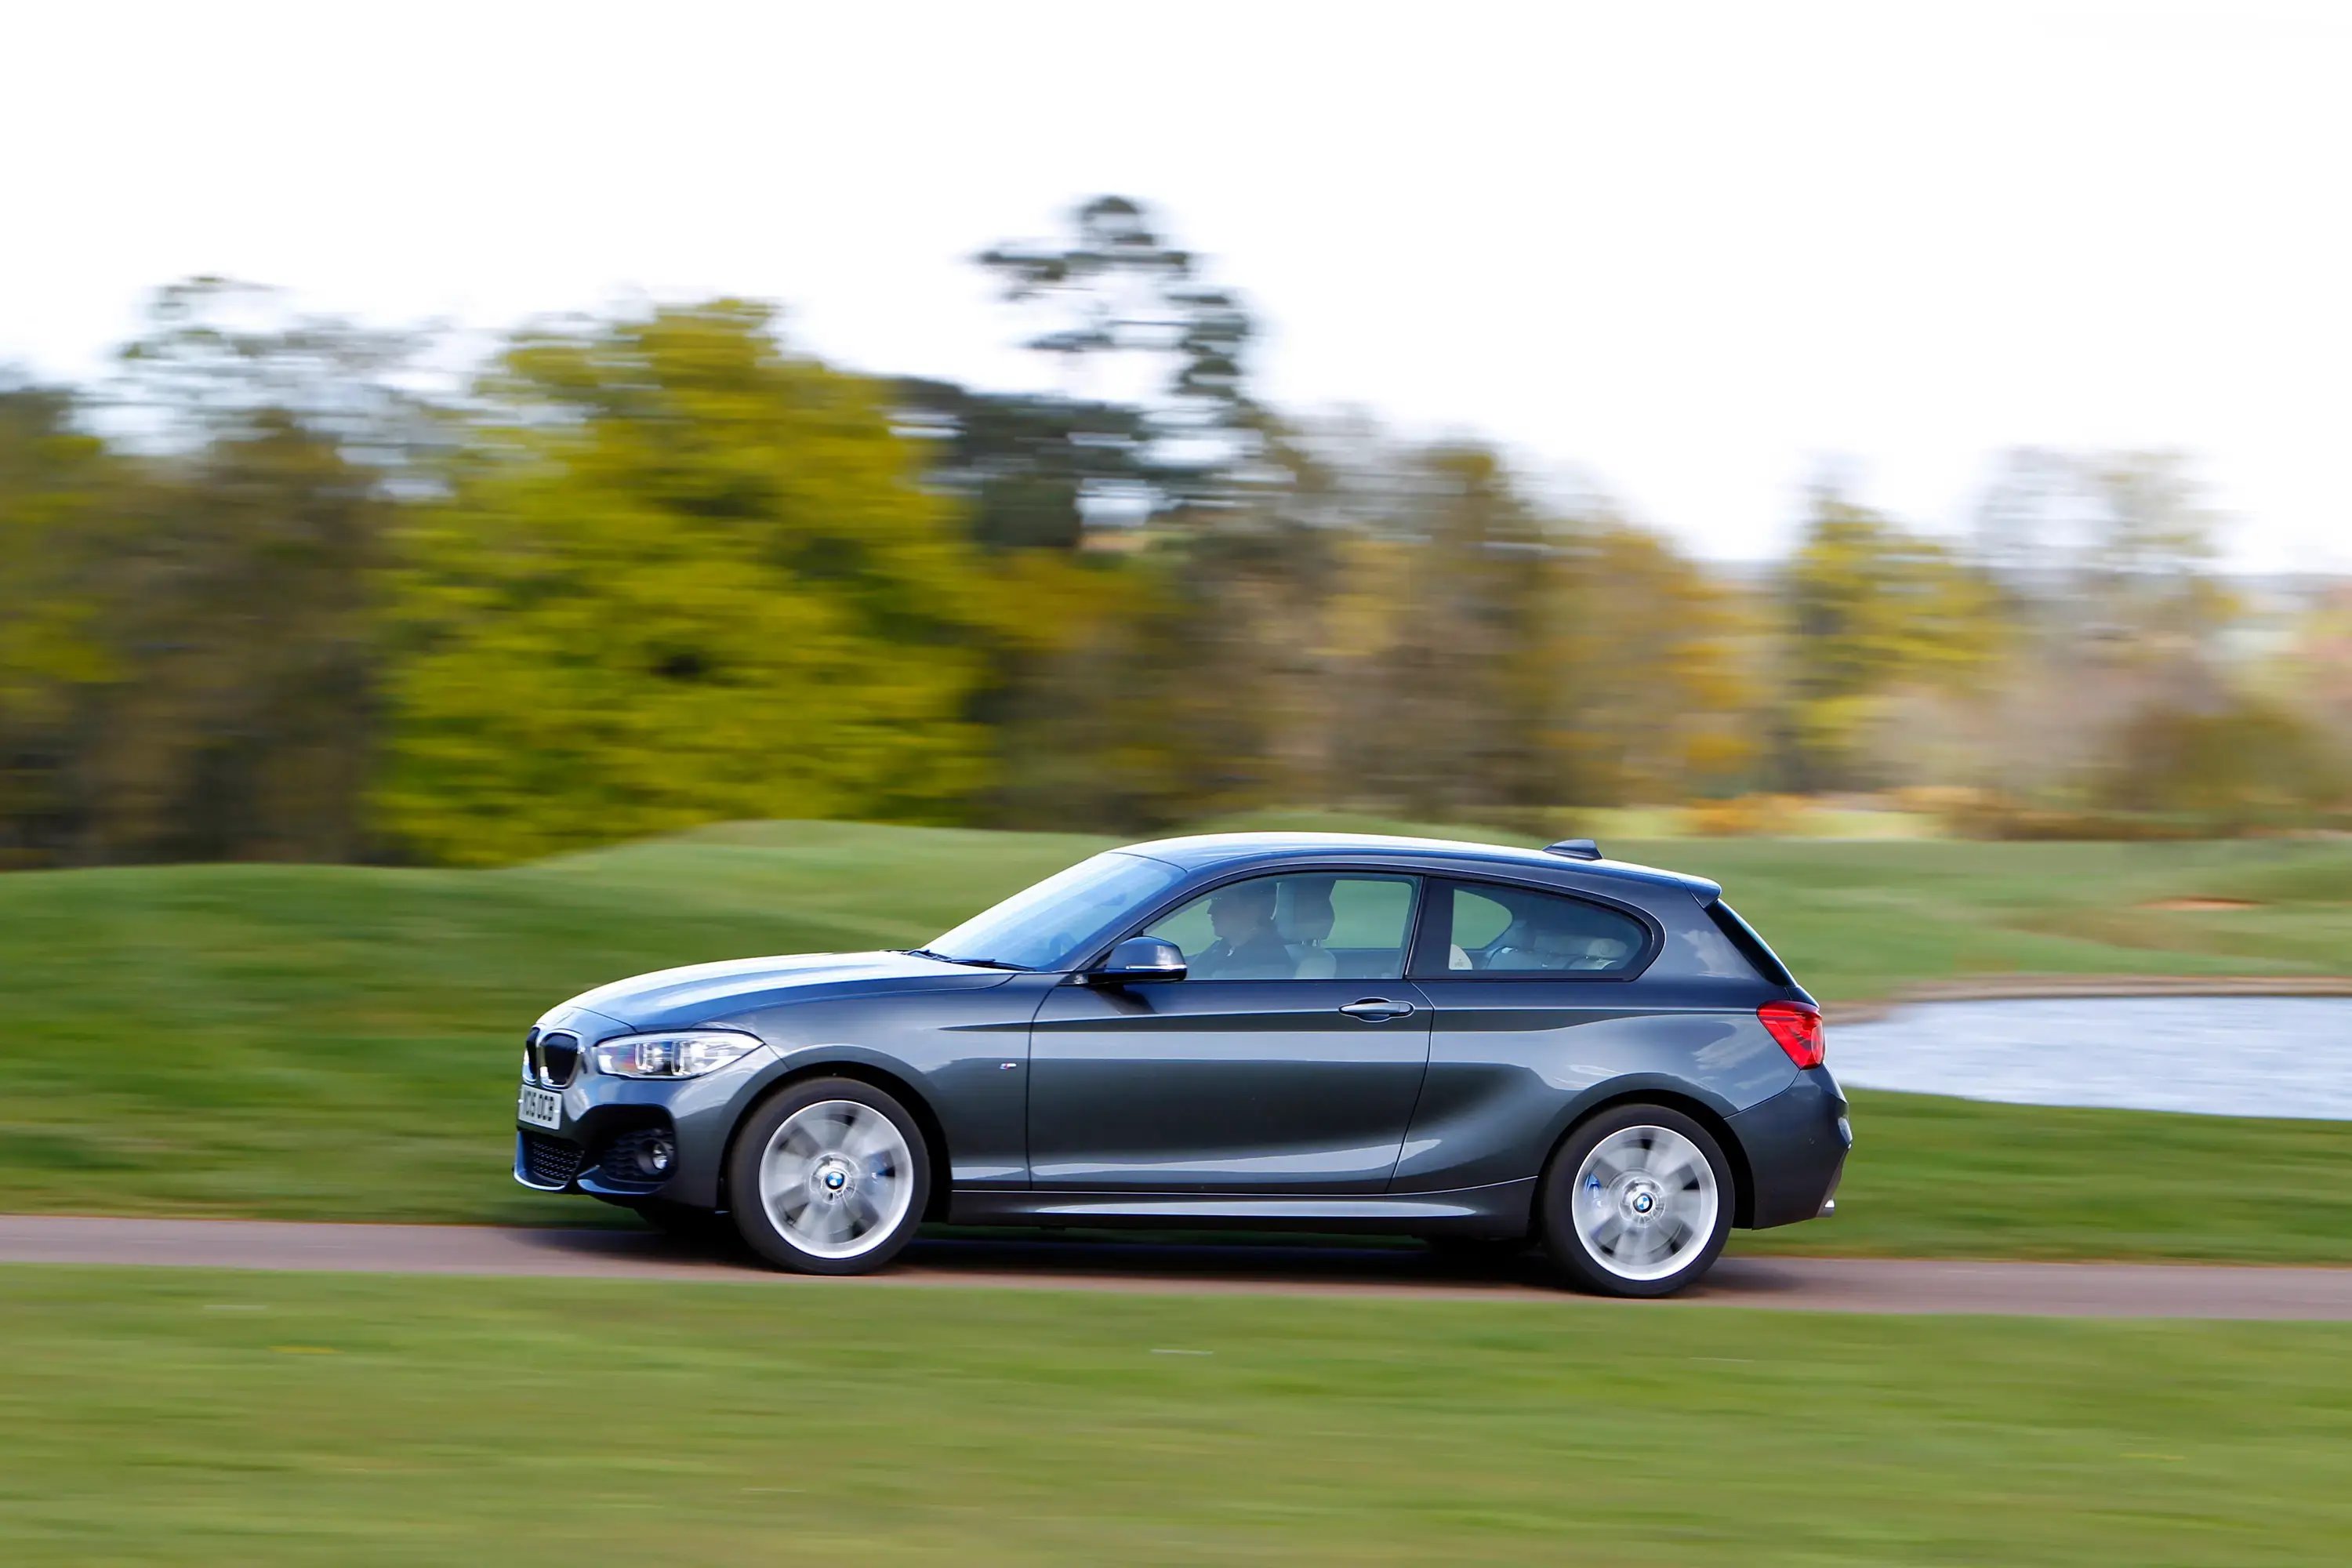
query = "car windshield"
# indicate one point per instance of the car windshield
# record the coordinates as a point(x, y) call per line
point(1048, 925)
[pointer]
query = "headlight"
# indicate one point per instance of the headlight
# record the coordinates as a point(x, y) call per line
point(688, 1054)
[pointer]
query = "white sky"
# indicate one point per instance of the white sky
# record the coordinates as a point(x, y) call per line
point(1693, 249)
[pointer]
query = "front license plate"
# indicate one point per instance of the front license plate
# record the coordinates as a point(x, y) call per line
point(539, 1107)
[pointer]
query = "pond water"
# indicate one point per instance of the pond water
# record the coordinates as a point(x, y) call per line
point(2225, 1056)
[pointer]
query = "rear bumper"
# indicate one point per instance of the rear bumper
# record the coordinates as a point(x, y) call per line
point(1795, 1144)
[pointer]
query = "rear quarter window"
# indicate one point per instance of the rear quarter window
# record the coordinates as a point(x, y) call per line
point(1477, 919)
point(1491, 929)
point(1742, 938)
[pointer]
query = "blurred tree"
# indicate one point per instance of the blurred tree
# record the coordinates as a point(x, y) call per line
point(1658, 680)
point(225, 360)
point(247, 604)
point(1181, 704)
point(58, 484)
point(2232, 766)
point(2315, 668)
point(2032, 517)
point(1870, 608)
point(1179, 676)
point(2148, 568)
point(2113, 545)
point(1028, 468)
point(682, 575)
point(244, 611)
point(1468, 666)
point(215, 695)
point(655, 569)
point(1495, 657)
point(1115, 294)
point(2106, 564)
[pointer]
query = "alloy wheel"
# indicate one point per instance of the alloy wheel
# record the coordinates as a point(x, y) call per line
point(836, 1178)
point(1645, 1203)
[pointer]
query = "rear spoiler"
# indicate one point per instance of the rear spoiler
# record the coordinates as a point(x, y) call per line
point(1704, 891)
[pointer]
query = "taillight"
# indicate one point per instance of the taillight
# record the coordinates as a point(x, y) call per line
point(1798, 1026)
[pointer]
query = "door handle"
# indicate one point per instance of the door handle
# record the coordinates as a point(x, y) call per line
point(1378, 1009)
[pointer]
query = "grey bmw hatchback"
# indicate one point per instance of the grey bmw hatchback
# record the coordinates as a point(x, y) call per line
point(1479, 1046)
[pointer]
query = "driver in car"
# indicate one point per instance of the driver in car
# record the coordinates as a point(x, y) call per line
point(1247, 947)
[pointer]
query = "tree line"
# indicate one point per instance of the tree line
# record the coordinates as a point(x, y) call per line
point(292, 587)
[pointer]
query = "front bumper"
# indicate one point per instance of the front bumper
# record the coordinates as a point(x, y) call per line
point(605, 1120)
point(1795, 1144)
point(603, 1166)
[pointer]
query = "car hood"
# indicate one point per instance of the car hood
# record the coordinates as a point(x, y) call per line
point(705, 993)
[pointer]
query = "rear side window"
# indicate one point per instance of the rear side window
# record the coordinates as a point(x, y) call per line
point(1751, 947)
point(1488, 928)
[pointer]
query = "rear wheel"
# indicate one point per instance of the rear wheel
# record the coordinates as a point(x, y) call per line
point(1637, 1202)
point(830, 1177)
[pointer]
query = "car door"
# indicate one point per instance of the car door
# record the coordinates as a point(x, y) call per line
point(1537, 997)
point(1287, 1060)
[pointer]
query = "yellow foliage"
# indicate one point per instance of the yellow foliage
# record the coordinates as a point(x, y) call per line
point(1747, 817)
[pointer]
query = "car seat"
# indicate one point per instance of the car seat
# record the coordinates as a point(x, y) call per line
point(1304, 925)
point(1526, 946)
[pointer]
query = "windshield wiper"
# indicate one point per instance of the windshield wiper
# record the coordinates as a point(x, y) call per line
point(974, 963)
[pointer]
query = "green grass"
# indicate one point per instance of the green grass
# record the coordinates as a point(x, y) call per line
point(317, 1042)
point(165, 1416)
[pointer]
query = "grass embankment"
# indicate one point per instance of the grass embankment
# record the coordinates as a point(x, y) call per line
point(170, 1416)
point(339, 1042)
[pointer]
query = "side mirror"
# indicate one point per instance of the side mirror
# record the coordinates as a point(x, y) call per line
point(1140, 958)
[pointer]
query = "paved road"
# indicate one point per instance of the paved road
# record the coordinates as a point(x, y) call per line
point(1836, 1285)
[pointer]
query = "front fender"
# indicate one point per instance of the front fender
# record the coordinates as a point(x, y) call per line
point(959, 1056)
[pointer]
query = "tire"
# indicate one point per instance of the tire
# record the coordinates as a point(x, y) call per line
point(1637, 1202)
point(830, 1176)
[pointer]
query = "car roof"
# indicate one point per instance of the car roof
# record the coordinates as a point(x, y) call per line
point(1206, 851)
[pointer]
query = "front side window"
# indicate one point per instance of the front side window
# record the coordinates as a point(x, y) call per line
point(1303, 926)
point(1494, 930)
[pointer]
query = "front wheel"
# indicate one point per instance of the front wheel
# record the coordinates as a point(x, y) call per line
point(829, 1177)
point(1637, 1202)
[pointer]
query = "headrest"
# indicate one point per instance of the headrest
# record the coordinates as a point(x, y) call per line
point(1306, 914)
